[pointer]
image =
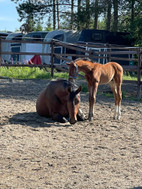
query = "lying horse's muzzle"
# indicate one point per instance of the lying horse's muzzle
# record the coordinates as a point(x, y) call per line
point(72, 121)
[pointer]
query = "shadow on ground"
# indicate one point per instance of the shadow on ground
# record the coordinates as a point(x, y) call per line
point(32, 119)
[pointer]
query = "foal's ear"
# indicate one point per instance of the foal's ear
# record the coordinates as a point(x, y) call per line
point(67, 63)
point(78, 90)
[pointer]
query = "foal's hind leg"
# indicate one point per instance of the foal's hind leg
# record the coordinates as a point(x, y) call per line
point(119, 99)
point(114, 90)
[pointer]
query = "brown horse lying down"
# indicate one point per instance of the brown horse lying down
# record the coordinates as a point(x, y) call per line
point(60, 99)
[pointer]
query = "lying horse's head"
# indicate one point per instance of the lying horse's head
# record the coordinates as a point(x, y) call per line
point(73, 104)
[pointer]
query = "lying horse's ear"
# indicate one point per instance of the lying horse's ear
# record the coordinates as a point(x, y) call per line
point(78, 90)
point(69, 89)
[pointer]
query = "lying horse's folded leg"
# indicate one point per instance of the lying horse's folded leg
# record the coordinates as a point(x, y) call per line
point(80, 118)
point(59, 118)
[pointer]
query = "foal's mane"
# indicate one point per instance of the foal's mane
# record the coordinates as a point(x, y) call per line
point(84, 59)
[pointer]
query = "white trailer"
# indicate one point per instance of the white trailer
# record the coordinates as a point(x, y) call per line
point(12, 47)
point(61, 35)
point(32, 47)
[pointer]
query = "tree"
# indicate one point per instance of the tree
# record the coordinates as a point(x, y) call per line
point(72, 13)
point(115, 16)
point(28, 12)
point(87, 14)
point(108, 17)
point(112, 15)
point(96, 8)
point(38, 26)
point(79, 15)
point(133, 19)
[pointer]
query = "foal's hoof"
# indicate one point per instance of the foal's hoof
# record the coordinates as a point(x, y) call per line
point(117, 117)
point(90, 118)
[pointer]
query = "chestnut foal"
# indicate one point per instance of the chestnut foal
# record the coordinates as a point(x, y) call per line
point(97, 74)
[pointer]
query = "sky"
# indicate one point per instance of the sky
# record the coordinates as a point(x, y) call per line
point(8, 16)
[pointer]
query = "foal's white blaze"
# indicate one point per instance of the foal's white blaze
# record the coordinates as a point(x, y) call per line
point(117, 113)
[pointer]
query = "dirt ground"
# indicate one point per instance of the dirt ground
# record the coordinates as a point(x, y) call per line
point(37, 153)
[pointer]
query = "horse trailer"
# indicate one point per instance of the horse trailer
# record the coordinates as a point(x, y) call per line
point(105, 39)
point(12, 47)
point(32, 47)
point(68, 36)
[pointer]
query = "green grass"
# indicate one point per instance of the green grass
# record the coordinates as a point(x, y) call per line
point(129, 77)
point(37, 73)
point(84, 88)
point(29, 73)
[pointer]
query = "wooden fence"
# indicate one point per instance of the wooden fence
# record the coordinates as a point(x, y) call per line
point(132, 55)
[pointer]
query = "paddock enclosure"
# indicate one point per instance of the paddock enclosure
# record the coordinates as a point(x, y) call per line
point(36, 152)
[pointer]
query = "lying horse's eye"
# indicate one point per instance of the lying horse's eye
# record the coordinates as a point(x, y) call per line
point(77, 100)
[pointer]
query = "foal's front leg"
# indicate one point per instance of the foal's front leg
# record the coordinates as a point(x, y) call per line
point(92, 99)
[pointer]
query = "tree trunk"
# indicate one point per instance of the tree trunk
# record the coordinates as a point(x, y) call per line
point(72, 12)
point(108, 21)
point(54, 15)
point(87, 14)
point(132, 12)
point(96, 15)
point(79, 13)
point(58, 14)
point(115, 16)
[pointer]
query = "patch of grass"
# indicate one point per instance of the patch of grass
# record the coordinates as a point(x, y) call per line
point(84, 88)
point(123, 94)
point(130, 76)
point(37, 73)
point(29, 73)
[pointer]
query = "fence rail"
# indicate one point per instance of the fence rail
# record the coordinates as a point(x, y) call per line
point(81, 50)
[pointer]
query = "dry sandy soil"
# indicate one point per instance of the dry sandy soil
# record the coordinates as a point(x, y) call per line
point(37, 153)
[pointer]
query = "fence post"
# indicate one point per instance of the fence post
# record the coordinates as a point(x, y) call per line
point(139, 74)
point(0, 52)
point(109, 55)
point(52, 58)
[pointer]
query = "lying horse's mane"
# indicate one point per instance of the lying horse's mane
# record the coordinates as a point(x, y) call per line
point(70, 84)
point(84, 59)
point(67, 83)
